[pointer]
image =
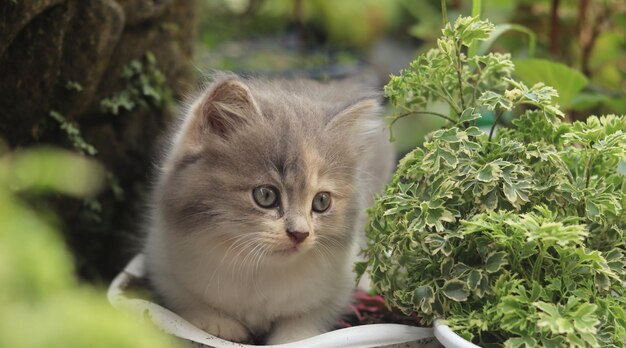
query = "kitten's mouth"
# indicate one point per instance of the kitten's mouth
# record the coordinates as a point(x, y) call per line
point(288, 251)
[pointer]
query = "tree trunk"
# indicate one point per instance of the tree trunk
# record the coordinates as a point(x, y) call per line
point(109, 70)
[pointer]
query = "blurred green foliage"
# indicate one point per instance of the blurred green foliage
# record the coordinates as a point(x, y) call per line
point(588, 36)
point(567, 81)
point(42, 303)
point(346, 23)
point(316, 38)
point(579, 47)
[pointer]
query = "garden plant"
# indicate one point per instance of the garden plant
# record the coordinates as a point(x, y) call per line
point(513, 236)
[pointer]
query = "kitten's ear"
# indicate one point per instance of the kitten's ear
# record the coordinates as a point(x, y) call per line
point(361, 118)
point(225, 107)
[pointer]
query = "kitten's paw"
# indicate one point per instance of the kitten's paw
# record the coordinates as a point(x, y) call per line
point(291, 333)
point(227, 329)
point(222, 327)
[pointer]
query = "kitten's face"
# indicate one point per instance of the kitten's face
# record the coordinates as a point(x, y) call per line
point(271, 185)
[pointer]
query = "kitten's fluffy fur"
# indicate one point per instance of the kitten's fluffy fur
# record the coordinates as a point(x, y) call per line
point(226, 264)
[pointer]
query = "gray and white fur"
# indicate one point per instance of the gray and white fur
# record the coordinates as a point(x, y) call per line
point(234, 268)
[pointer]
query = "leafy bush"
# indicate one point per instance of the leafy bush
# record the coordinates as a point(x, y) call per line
point(515, 237)
point(42, 304)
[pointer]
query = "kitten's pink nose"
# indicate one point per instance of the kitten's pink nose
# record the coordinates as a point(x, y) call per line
point(297, 237)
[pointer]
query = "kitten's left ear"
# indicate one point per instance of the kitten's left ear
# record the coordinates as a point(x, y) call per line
point(361, 118)
point(225, 107)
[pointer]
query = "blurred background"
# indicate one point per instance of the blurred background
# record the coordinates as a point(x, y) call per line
point(101, 80)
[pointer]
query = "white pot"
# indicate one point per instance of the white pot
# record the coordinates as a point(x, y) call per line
point(373, 335)
point(448, 338)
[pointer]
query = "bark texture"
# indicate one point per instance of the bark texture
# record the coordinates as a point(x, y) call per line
point(71, 57)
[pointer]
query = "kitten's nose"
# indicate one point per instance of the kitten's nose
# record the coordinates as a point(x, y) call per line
point(297, 237)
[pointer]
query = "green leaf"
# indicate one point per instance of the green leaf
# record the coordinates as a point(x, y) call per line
point(473, 279)
point(446, 266)
point(38, 171)
point(492, 101)
point(474, 131)
point(575, 341)
point(592, 209)
point(468, 115)
point(552, 319)
point(455, 290)
point(423, 297)
point(476, 12)
point(450, 135)
point(521, 342)
point(440, 157)
point(602, 281)
point(567, 81)
point(468, 29)
point(553, 341)
point(495, 261)
point(585, 320)
point(483, 287)
point(489, 172)
point(590, 339)
point(500, 29)
point(491, 200)
point(517, 192)
point(360, 268)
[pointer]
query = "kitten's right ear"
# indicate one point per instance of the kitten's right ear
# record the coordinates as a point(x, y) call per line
point(225, 107)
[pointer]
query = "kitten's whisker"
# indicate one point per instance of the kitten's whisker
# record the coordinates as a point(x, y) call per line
point(325, 252)
point(334, 241)
point(251, 255)
point(261, 254)
point(250, 266)
point(236, 242)
point(251, 244)
point(322, 256)
point(236, 258)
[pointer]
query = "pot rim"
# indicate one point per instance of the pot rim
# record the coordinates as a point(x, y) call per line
point(449, 338)
point(370, 335)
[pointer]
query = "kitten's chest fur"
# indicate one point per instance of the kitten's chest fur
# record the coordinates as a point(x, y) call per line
point(280, 291)
point(259, 294)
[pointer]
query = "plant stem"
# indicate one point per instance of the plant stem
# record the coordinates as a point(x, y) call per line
point(459, 68)
point(589, 33)
point(588, 165)
point(478, 77)
point(537, 266)
point(409, 113)
point(444, 13)
point(495, 122)
point(554, 27)
point(476, 11)
point(443, 94)
point(568, 171)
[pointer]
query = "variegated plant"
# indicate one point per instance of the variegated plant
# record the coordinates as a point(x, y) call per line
point(515, 238)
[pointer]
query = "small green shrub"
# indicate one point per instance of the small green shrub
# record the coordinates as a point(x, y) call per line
point(515, 237)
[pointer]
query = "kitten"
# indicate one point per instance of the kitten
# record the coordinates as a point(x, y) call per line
point(258, 204)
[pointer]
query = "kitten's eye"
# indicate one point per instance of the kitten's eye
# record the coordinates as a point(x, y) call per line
point(265, 196)
point(321, 202)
